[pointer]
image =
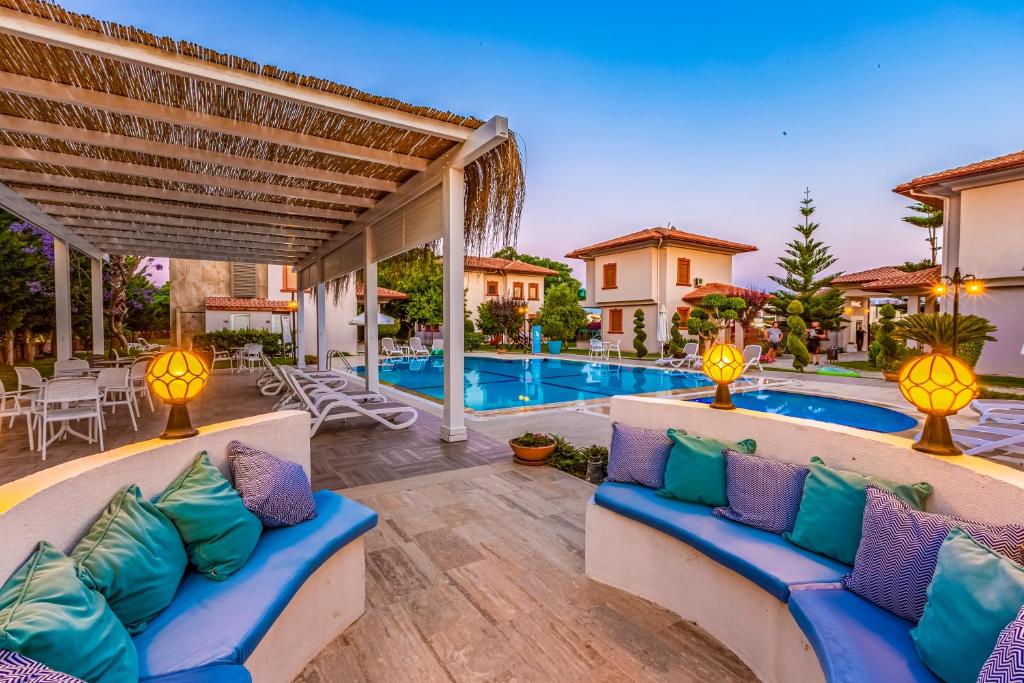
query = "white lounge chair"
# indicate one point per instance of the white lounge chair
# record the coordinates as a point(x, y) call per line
point(416, 347)
point(752, 356)
point(315, 384)
point(990, 436)
point(690, 357)
point(332, 406)
point(995, 410)
point(390, 349)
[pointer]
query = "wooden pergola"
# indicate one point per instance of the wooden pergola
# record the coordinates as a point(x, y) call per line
point(117, 141)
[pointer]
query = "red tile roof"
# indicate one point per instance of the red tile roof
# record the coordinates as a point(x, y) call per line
point(1003, 163)
point(383, 293)
point(867, 275)
point(918, 278)
point(716, 288)
point(503, 265)
point(230, 303)
point(667, 234)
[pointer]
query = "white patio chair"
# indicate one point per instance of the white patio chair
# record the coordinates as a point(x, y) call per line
point(30, 382)
point(72, 367)
point(690, 357)
point(752, 356)
point(14, 404)
point(437, 346)
point(416, 347)
point(115, 387)
point(990, 436)
point(138, 383)
point(219, 356)
point(249, 357)
point(596, 349)
point(64, 400)
point(335, 406)
point(995, 410)
point(390, 349)
point(613, 347)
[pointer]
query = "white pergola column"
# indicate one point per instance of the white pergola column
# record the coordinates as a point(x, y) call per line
point(453, 424)
point(371, 350)
point(321, 326)
point(300, 329)
point(913, 306)
point(62, 295)
point(96, 291)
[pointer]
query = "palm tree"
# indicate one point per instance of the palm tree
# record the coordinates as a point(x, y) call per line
point(930, 219)
point(936, 330)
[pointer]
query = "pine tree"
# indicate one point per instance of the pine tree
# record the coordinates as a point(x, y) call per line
point(929, 218)
point(639, 333)
point(805, 259)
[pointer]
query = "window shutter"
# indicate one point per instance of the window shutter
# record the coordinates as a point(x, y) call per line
point(609, 272)
point(683, 271)
point(243, 280)
point(684, 316)
point(615, 321)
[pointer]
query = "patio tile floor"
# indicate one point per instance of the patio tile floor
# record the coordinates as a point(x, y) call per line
point(477, 575)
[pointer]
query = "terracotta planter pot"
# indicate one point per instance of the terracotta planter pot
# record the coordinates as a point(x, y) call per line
point(531, 455)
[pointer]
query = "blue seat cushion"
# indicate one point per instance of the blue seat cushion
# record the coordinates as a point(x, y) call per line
point(764, 558)
point(218, 673)
point(855, 640)
point(212, 622)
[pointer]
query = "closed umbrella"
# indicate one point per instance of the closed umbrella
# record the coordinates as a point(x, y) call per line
point(662, 334)
point(382, 319)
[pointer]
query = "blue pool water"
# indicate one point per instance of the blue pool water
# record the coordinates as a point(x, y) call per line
point(493, 384)
point(823, 409)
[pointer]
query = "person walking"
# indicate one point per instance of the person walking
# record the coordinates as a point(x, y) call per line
point(773, 335)
point(815, 335)
point(860, 337)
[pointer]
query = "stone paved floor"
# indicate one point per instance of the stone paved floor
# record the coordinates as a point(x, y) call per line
point(477, 575)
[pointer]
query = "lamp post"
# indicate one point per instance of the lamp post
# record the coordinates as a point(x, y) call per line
point(938, 385)
point(177, 377)
point(293, 306)
point(970, 284)
point(723, 364)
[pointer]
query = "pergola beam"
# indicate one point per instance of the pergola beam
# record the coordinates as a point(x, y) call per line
point(199, 255)
point(73, 95)
point(126, 143)
point(120, 238)
point(19, 176)
point(74, 213)
point(107, 229)
point(61, 35)
point(40, 156)
point(48, 198)
point(27, 211)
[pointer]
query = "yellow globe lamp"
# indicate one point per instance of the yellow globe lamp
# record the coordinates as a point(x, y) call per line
point(176, 377)
point(293, 305)
point(939, 385)
point(723, 364)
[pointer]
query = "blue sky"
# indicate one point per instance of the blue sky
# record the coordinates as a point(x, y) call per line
point(711, 116)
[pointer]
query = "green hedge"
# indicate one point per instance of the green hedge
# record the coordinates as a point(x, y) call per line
point(225, 340)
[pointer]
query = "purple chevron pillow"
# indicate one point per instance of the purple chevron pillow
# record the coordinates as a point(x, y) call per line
point(1006, 663)
point(275, 490)
point(762, 493)
point(900, 546)
point(638, 456)
point(17, 668)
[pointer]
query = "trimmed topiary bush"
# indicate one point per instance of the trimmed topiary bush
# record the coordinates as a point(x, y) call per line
point(639, 333)
point(795, 337)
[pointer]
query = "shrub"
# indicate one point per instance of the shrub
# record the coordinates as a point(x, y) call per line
point(568, 458)
point(890, 351)
point(970, 352)
point(387, 330)
point(225, 340)
point(639, 334)
point(675, 337)
point(936, 330)
point(795, 336)
point(473, 341)
point(533, 440)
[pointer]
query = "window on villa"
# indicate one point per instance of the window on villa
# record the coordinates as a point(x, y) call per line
point(517, 290)
point(684, 315)
point(492, 288)
point(288, 279)
point(683, 272)
point(610, 275)
point(241, 321)
point(615, 321)
point(533, 289)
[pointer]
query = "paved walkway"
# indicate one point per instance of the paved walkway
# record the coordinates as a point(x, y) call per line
point(477, 575)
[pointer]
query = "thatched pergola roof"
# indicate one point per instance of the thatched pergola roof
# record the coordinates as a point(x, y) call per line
point(124, 142)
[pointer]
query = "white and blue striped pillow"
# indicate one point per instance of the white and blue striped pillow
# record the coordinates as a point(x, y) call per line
point(1006, 663)
point(638, 456)
point(17, 668)
point(762, 493)
point(277, 491)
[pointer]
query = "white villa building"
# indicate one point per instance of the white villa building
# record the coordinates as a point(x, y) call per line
point(488, 278)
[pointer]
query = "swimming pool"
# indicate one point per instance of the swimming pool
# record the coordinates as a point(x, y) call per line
point(497, 383)
point(823, 409)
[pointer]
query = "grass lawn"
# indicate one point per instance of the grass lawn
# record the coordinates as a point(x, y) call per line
point(1001, 381)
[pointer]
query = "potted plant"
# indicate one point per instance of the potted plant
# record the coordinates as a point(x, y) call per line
point(532, 448)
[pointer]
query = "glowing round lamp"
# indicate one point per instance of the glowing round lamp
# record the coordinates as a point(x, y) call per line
point(938, 385)
point(723, 363)
point(293, 305)
point(177, 377)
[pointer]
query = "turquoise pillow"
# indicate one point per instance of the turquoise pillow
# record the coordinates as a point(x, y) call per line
point(134, 557)
point(831, 510)
point(218, 530)
point(49, 615)
point(695, 471)
point(975, 592)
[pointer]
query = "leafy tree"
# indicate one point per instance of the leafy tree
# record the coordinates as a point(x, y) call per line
point(639, 333)
point(419, 274)
point(125, 277)
point(561, 316)
point(500, 316)
point(804, 261)
point(715, 313)
point(914, 266)
point(564, 277)
point(929, 218)
point(795, 336)
point(675, 338)
point(936, 330)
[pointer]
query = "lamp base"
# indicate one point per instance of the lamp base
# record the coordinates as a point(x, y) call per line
point(179, 425)
point(723, 400)
point(936, 438)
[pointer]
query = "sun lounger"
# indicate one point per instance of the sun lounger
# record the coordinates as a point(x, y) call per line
point(752, 356)
point(995, 410)
point(690, 357)
point(333, 406)
point(990, 436)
